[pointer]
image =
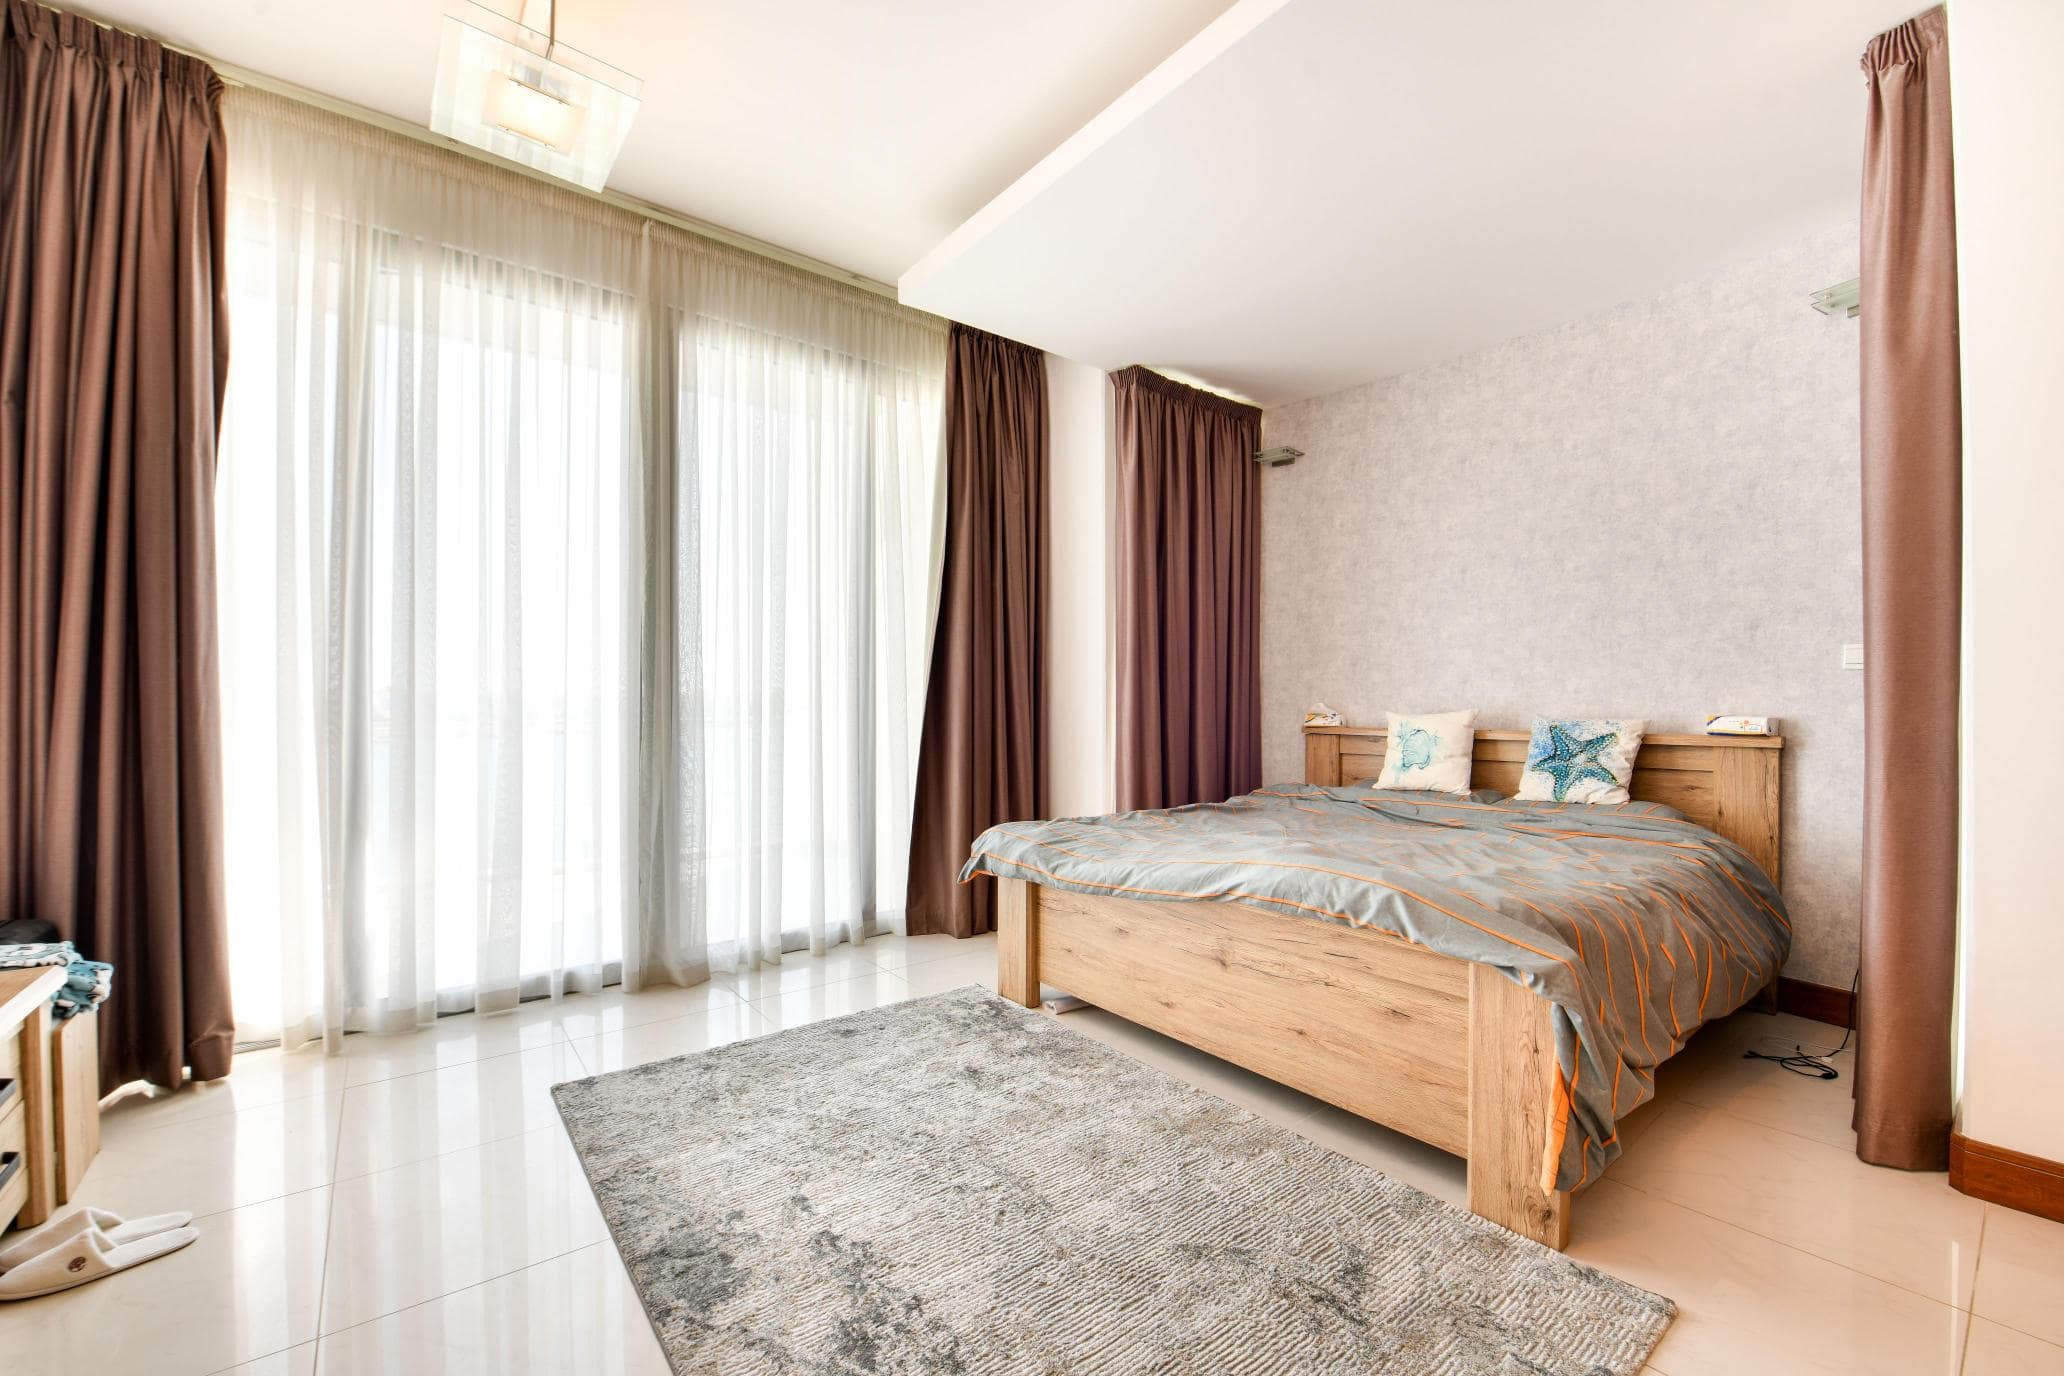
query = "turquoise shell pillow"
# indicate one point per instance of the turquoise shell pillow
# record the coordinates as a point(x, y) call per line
point(1429, 753)
point(1588, 760)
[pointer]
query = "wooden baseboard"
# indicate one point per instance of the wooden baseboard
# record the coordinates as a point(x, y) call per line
point(2001, 1175)
point(1820, 1002)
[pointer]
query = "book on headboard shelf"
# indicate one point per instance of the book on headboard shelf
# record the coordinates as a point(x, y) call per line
point(1741, 726)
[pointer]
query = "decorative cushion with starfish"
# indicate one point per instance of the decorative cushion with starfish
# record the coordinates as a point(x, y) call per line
point(1429, 752)
point(1585, 761)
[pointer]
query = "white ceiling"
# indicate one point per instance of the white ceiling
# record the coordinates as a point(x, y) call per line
point(856, 131)
point(1315, 193)
point(1304, 195)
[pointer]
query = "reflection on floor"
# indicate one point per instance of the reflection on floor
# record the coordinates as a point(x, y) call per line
point(413, 1206)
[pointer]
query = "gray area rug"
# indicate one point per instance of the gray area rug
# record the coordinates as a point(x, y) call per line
point(959, 1185)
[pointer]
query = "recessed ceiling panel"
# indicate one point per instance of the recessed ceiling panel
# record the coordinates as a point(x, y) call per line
point(1315, 193)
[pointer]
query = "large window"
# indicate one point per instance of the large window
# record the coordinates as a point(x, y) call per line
point(815, 547)
point(574, 588)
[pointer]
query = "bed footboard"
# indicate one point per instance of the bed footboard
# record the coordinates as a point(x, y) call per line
point(1448, 1052)
point(1512, 1074)
point(1017, 942)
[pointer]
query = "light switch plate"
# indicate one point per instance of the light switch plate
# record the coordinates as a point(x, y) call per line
point(1852, 656)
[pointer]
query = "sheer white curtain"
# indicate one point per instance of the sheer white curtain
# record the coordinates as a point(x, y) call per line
point(529, 593)
point(426, 495)
point(800, 539)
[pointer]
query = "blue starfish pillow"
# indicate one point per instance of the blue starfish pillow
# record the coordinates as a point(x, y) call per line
point(1431, 752)
point(1585, 761)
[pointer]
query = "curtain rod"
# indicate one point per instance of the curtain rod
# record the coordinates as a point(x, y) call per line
point(234, 75)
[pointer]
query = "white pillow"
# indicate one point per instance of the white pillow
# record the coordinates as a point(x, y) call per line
point(1429, 753)
point(1584, 761)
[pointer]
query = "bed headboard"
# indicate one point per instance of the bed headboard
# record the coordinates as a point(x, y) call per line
point(1727, 783)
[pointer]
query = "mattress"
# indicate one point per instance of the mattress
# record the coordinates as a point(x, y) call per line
point(1637, 924)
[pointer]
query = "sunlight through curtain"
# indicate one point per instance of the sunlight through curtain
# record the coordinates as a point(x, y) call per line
point(573, 582)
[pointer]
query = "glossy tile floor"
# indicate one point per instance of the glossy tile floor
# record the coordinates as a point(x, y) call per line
point(413, 1206)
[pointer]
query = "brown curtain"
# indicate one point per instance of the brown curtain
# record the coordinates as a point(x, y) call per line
point(1188, 589)
point(112, 352)
point(1912, 475)
point(983, 757)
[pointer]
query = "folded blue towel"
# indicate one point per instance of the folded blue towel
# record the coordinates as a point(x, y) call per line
point(87, 982)
point(24, 955)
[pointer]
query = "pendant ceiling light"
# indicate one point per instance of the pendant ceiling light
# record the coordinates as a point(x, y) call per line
point(521, 94)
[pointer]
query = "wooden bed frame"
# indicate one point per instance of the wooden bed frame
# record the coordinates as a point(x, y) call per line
point(1442, 1049)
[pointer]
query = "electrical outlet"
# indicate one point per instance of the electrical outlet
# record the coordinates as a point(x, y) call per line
point(1852, 656)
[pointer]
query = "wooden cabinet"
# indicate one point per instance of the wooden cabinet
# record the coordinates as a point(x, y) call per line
point(75, 1099)
point(28, 1142)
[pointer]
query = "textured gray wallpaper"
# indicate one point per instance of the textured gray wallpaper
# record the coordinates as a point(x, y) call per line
point(1650, 513)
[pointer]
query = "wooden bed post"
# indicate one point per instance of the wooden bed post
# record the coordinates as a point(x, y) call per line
point(1017, 941)
point(1511, 1070)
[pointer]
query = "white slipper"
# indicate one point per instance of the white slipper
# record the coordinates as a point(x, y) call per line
point(76, 1221)
point(87, 1256)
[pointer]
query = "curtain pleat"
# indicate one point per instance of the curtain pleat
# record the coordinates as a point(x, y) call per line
point(1912, 555)
point(983, 758)
point(1188, 593)
point(113, 346)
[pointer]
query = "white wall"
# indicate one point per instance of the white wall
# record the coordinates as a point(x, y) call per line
point(1081, 765)
point(2009, 130)
point(1653, 512)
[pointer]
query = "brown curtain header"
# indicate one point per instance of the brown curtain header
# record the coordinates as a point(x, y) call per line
point(1908, 45)
point(39, 26)
point(973, 347)
point(1147, 380)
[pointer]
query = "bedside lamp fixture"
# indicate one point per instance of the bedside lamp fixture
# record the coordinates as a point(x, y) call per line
point(1843, 298)
point(523, 95)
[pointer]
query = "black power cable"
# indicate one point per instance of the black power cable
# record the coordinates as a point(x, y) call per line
point(1814, 1064)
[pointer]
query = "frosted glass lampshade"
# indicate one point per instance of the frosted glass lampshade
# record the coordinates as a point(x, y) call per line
point(517, 94)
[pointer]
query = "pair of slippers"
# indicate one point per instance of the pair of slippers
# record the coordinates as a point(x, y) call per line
point(84, 1245)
